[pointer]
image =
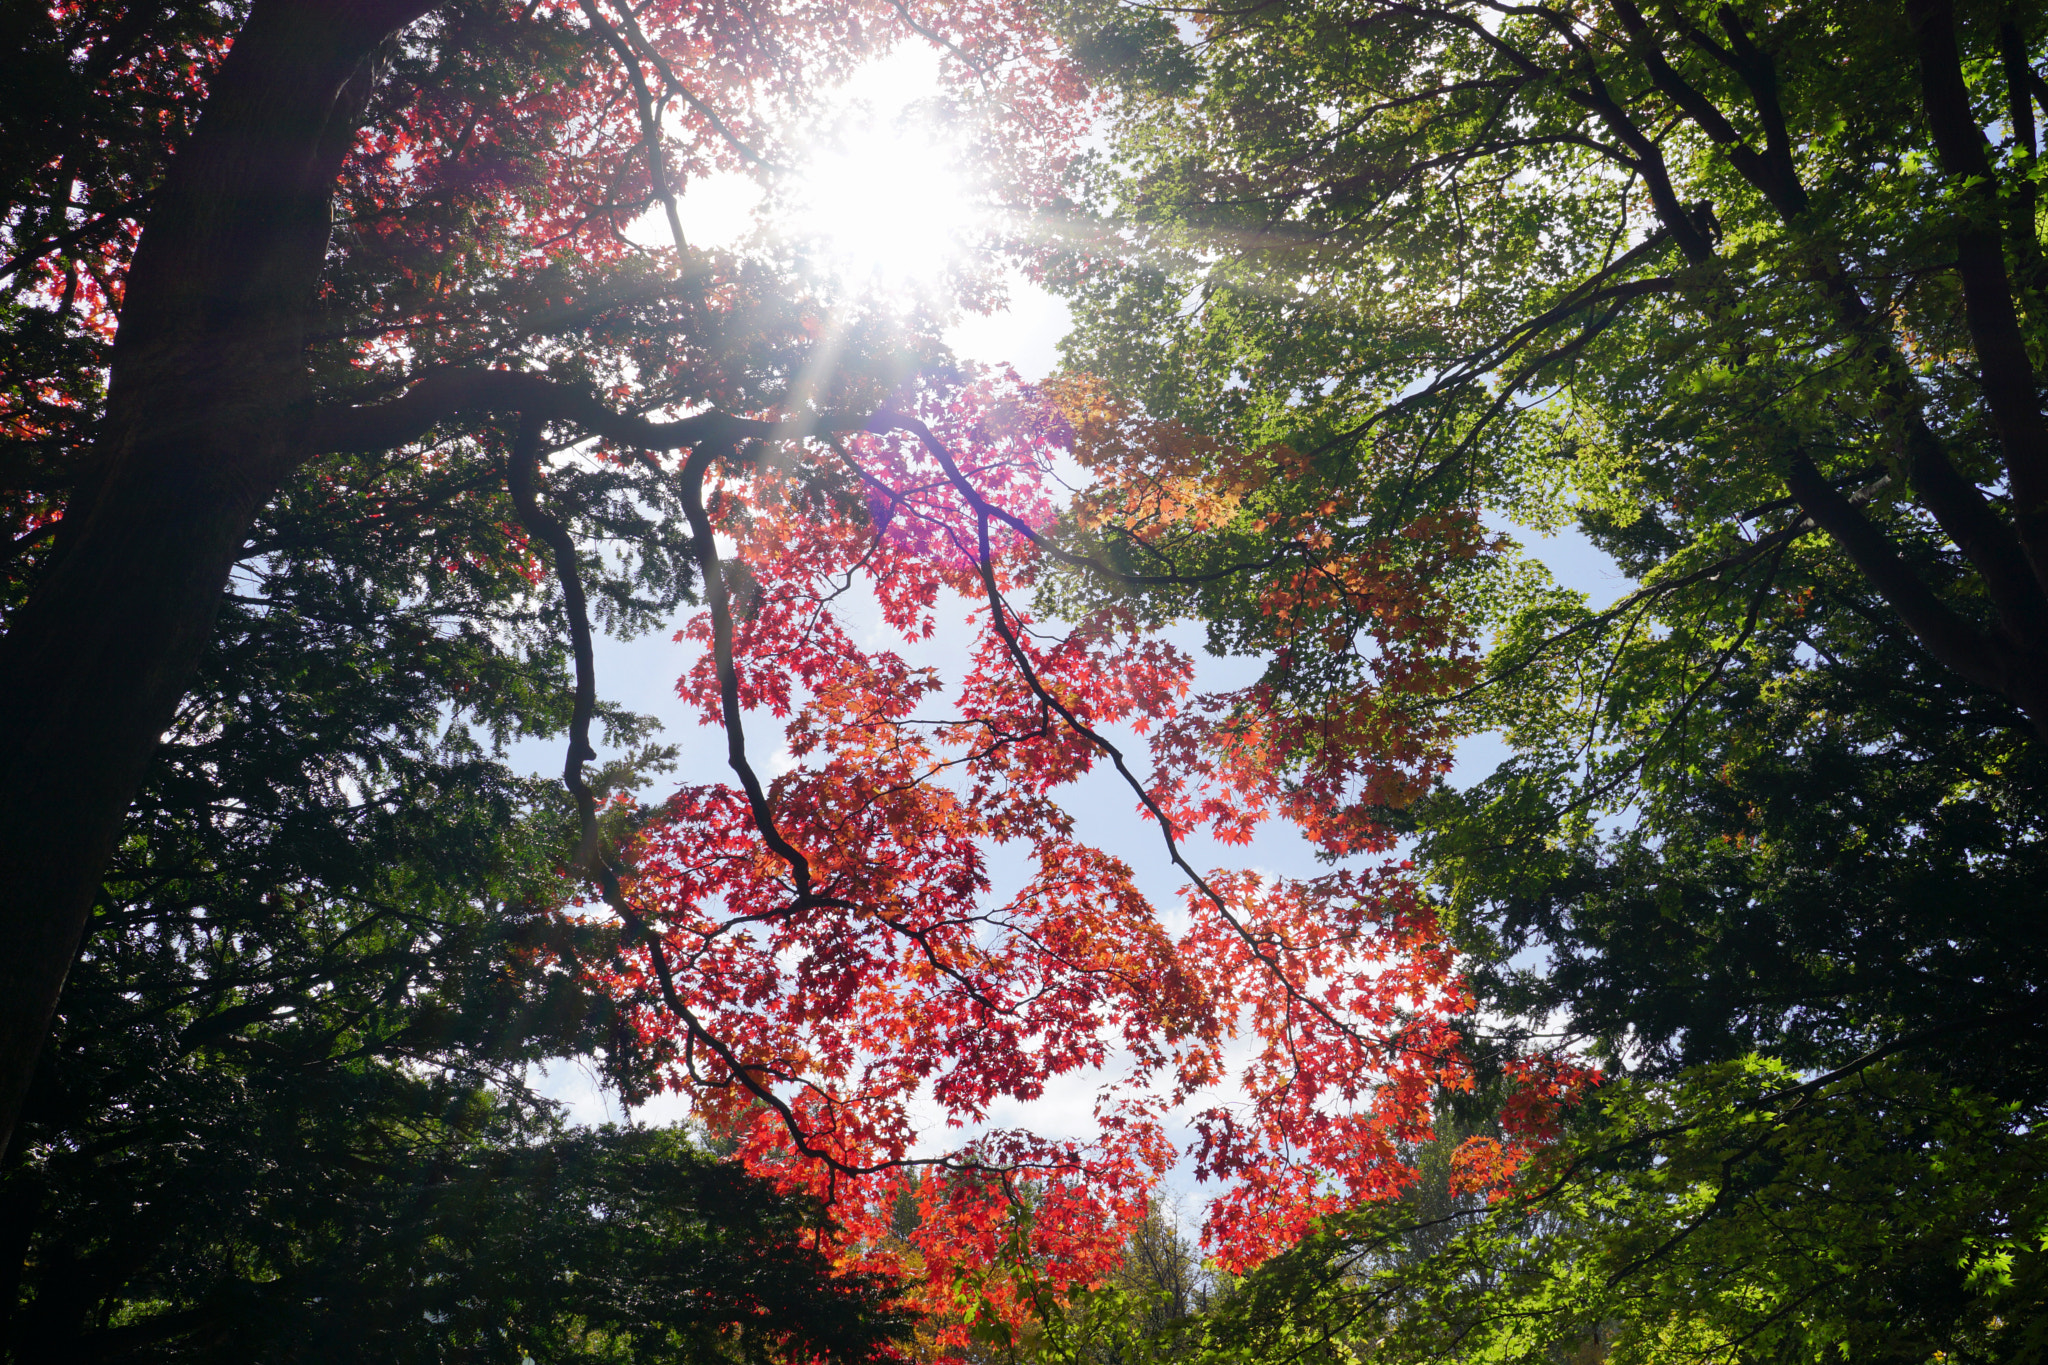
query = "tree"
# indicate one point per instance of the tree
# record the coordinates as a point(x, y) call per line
point(1698, 262)
point(1735, 1213)
point(1749, 294)
point(822, 952)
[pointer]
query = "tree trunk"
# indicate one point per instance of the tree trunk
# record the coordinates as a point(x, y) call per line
point(206, 388)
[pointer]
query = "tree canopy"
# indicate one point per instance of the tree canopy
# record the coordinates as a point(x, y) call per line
point(1759, 802)
point(346, 402)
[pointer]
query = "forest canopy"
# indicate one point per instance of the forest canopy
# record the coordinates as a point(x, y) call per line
point(360, 374)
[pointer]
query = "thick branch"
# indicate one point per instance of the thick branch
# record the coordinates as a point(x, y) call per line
point(2011, 389)
point(208, 359)
point(650, 121)
point(1968, 518)
point(723, 659)
point(1778, 183)
point(1959, 647)
point(548, 529)
point(1649, 159)
point(591, 859)
point(1957, 504)
point(443, 394)
point(675, 86)
point(2019, 112)
point(1760, 74)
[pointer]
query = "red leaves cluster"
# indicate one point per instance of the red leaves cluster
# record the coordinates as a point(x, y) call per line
point(1345, 995)
point(1301, 1027)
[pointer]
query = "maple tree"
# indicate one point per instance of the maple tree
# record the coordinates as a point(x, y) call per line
point(302, 252)
point(819, 952)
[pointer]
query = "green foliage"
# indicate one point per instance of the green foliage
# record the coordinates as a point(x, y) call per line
point(1750, 808)
point(1415, 244)
point(1842, 858)
point(1143, 1310)
point(1688, 279)
point(1730, 1213)
point(1130, 45)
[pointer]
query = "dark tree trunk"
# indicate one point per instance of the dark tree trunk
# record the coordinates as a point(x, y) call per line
point(207, 388)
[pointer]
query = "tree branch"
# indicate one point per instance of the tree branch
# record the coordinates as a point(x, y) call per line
point(2011, 388)
point(650, 122)
point(706, 546)
point(1781, 188)
point(638, 37)
point(1959, 646)
point(440, 395)
point(1760, 74)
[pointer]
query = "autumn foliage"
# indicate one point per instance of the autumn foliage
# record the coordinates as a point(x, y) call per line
point(881, 967)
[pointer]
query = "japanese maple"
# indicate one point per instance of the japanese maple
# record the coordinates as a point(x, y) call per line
point(817, 957)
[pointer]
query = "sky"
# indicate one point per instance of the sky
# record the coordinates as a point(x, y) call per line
point(860, 228)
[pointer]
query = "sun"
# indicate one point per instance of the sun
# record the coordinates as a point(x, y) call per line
point(882, 204)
